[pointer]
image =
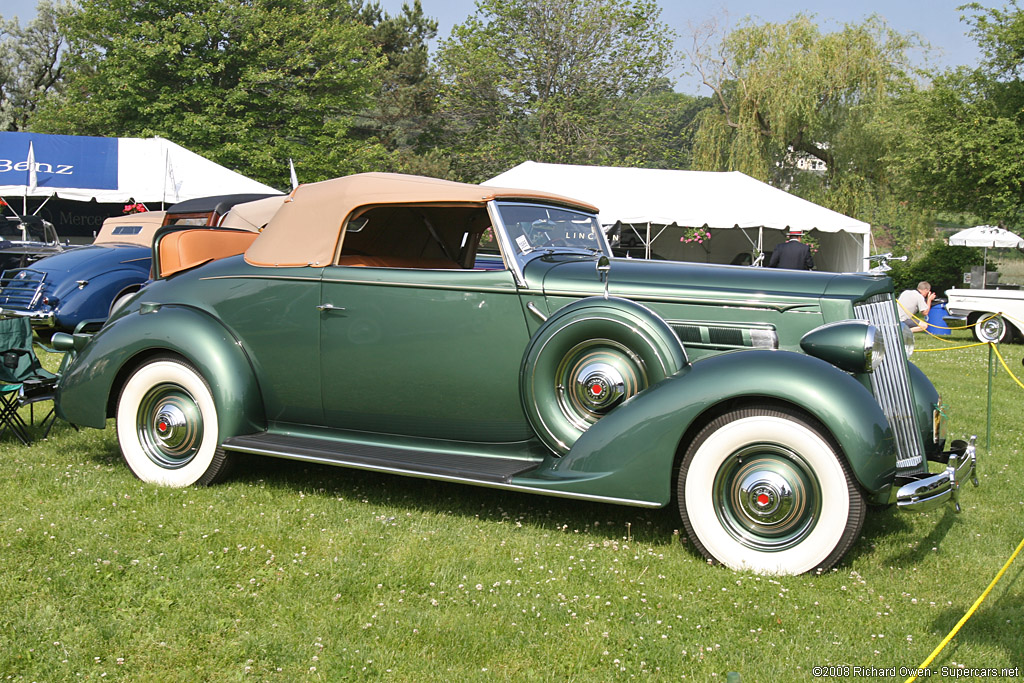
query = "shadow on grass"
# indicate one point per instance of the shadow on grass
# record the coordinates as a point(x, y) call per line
point(654, 527)
point(996, 624)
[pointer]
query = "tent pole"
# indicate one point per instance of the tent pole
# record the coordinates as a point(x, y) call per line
point(647, 248)
point(984, 270)
point(40, 207)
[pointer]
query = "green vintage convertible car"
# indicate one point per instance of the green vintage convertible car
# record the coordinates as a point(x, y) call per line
point(483, 335)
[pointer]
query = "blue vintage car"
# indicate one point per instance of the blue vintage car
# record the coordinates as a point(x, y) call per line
point(79, 288)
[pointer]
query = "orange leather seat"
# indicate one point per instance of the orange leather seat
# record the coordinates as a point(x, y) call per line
point(186, 249)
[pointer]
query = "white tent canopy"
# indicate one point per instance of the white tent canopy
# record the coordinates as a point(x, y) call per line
point(149, 170)
point(988, 236)
point(651, 198)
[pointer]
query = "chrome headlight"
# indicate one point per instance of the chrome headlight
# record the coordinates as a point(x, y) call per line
point(876, 352)
point(851, 345)
point(908, 340)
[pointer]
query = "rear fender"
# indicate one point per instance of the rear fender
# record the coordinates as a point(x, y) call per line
point(630, 453)
point(89, 386)
point(94, 300)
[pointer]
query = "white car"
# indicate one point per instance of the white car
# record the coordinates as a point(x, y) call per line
point(996, 315)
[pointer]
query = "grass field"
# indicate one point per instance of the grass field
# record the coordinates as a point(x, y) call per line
point(295, 572)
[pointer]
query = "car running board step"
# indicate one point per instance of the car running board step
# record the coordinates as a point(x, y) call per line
point(451, 466)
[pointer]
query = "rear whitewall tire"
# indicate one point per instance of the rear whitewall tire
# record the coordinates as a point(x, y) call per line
point(119, 301)
point(811, 511)
point(167, 425)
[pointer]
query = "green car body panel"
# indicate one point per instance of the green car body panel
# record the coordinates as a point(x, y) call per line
point(629, 454)
point(546, 368)
point(91, 383)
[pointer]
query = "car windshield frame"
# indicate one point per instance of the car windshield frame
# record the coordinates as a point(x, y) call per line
point(546, 234)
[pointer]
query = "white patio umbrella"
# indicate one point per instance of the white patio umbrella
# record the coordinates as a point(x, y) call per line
point(987, 237)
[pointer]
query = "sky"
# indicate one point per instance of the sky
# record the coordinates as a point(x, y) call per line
point(936, 21)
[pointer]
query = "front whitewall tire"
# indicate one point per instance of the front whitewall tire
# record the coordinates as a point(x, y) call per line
point(167, 425)
point(765, 491)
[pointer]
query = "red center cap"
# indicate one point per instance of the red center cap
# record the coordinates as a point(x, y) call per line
point(763, 499)
point(595, 389)
point(162, 426)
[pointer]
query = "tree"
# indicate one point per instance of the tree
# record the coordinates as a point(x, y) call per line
point(788, 93)
point(549, 80)
point(959, 145)
point(402, 113)
point(788, 90)
point(248, 83)
point(29, 63)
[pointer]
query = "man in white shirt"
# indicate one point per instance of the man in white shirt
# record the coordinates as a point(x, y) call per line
point(916, 302)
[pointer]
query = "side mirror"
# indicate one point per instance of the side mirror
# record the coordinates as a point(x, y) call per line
point(604, 267)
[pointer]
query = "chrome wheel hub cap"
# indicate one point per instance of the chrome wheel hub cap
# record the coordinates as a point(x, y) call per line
point(169, 425)
point(767, 497)
point(600, 386)
point(594, 377)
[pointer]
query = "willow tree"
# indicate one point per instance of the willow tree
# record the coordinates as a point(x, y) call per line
point(788, 95)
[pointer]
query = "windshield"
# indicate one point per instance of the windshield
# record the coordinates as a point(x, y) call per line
point(534, 229)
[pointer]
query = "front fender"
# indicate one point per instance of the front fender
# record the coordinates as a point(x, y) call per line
point(91, 381)
point(630, 453)
point(926, 402)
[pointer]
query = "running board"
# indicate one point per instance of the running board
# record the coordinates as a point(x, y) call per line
point(449, 466)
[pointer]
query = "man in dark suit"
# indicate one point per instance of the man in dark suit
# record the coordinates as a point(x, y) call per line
point(792, 254)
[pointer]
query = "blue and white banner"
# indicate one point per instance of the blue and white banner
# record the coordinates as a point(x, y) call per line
point(59, 161)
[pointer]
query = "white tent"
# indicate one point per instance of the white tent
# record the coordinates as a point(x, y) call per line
point(744, 214)
point(82, 168)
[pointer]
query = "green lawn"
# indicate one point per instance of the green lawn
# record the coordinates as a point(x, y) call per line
point(296, 572)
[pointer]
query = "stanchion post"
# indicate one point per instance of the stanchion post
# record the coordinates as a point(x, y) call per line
point(988, 409)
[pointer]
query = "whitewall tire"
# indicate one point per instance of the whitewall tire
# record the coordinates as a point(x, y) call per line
point(766, 490)
point(167, 425)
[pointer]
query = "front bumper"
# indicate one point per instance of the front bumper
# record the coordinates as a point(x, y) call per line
point(929, 491)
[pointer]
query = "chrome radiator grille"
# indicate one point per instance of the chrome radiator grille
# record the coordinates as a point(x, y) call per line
point(891, 380)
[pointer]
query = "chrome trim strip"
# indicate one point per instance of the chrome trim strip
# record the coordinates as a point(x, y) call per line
point(451, 478)
point(376, 283)
point(424, 285)
point(718, 303)
point(261, 277)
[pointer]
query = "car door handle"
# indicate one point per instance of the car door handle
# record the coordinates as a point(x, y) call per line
point(329, 307)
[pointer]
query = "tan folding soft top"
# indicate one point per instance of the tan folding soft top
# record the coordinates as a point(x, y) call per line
point(136, 228)
point(307, 229)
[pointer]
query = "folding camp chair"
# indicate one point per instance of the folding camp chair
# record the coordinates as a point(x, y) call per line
point(22, 378)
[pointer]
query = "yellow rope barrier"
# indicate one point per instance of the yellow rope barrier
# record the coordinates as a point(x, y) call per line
point(1006, 367)
point(977, 603)
point(951, 348)
point(970, 612)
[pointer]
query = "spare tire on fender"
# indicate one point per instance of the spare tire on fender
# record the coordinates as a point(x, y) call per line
point(589, 357)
